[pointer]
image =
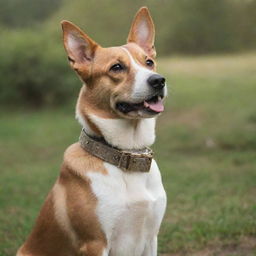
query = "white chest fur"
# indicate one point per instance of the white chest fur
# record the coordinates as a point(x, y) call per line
point(130, 209)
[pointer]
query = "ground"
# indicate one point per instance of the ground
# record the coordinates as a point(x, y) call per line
point(206, 150)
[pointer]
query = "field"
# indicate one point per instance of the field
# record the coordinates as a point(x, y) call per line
point(206, 150)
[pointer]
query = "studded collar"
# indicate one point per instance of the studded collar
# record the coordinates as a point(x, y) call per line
point(129, 161)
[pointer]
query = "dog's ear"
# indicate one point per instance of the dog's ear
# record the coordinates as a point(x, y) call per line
point(79, 47)
point(142, 31)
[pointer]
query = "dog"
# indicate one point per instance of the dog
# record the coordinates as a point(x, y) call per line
point(108, 199)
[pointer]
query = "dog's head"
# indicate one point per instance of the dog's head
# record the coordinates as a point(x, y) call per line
point(120, 81)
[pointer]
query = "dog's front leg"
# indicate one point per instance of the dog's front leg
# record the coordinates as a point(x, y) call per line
point(151, 247)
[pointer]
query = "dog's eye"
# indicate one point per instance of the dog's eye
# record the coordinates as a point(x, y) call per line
point(117, 67)
point(149, 62)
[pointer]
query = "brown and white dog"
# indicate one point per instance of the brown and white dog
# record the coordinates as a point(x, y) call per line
point(96, 208)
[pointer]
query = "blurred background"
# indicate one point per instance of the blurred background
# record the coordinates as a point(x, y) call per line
point(206, 144)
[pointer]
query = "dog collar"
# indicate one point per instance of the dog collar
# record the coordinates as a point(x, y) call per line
point(136, 161)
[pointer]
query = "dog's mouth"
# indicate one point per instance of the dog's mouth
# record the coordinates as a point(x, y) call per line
point(153, 105)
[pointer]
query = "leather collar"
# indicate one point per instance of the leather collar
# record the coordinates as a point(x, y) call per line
point(131, 161)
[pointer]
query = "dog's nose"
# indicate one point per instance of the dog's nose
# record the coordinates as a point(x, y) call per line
point(156, 81)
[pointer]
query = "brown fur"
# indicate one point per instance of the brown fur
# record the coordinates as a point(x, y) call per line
point(68, 224)
point(48, 238)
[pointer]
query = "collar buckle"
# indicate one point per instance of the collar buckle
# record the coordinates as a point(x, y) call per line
point(124, 161)
point(134, 162)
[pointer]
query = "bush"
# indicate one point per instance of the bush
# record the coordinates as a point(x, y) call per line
point(22, 13)
point(34, 70)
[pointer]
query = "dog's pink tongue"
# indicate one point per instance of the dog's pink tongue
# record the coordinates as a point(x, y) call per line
point(155, 106)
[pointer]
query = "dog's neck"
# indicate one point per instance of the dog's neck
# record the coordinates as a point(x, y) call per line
point(121, 133)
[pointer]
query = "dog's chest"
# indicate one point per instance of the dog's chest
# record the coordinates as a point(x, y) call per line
point(130, 207)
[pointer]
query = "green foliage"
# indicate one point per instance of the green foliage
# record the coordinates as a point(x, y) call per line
point(22, 13)
point(34, 70)
point(200, 26)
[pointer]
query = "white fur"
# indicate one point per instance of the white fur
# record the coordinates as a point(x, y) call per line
point(140, 87)
point(105, 252)
point(130, 209)
point(82, 121)
point(143, 31)
point(123, 134)
point(75, 41)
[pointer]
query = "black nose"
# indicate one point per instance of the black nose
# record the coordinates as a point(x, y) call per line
point(156, 81)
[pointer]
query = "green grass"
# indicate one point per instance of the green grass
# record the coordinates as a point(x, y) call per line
point(206, 150)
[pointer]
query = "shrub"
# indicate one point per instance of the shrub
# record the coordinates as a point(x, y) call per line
point(22, 13)
point(34, 70)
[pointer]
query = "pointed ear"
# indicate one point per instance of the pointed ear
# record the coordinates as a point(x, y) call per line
point(142, 31)
point(79, 47)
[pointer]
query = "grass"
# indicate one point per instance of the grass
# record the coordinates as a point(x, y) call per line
point(206, 150)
